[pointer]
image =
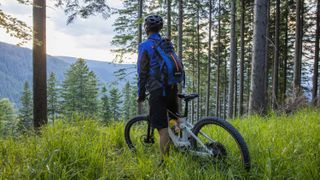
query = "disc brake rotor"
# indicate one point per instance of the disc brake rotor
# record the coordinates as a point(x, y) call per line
point(218, 149)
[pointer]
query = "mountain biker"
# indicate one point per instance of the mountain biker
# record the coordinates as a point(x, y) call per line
point(162, 96)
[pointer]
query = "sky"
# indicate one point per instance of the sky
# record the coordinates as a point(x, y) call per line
point(86, 38)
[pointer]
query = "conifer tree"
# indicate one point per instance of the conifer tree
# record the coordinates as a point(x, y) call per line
point(79, 90)
point(115, 101)
point(105, 112)
point(133, 101)
point(52, 97)
point(126, 108)
point(26, 110)
point(127, 28)
point(7, 116)
point(91, 93)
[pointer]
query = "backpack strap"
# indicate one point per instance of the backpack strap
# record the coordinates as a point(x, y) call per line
point(162, 78)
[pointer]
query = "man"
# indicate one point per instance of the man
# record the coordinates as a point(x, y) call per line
point(162, 96)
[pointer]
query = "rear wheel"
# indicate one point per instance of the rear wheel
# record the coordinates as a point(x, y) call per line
point(138, 132)
point(223, 140)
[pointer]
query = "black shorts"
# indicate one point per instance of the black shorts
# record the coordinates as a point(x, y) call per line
point(159, 104)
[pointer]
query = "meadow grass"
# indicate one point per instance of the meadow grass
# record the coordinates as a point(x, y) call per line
point(281, 147)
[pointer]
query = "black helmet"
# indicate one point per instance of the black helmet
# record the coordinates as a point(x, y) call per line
point(153, 23)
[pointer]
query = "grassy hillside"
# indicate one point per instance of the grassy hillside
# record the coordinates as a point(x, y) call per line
point(285, 147)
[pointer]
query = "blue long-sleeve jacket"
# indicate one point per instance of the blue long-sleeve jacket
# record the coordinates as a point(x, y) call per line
point(148, 66)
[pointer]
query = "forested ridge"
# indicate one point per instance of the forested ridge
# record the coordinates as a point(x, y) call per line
point(16, 68)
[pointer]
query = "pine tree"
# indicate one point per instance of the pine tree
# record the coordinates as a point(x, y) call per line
point(91, 93)
point(126, 94)
point(115, 101)
point(297, 60)
point(258, 102)
point(209, 60)
point(7, 116)
point(26, 110)
point(105, 112)
point(53, 96)
point(133, 101)
point(316, 56)
point(128, 27)
point(79, 90)
point(242, 55)
point(233, 60)
point(276, 57)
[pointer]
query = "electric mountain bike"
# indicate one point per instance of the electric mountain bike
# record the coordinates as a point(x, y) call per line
point(212, 138)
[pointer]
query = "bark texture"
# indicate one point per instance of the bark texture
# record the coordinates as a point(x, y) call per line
point(233, 60)
point(258, 102)
point(39, 64)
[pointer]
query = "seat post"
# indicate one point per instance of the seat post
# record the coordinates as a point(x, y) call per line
point(186, 108)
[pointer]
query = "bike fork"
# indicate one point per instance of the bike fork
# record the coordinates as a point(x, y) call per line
point(150, 135)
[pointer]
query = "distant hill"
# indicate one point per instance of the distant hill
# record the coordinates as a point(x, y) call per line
point(16, 68)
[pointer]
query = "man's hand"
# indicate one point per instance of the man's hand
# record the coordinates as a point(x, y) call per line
point(141, 98)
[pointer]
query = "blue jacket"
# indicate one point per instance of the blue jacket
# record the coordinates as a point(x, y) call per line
point(148, 66)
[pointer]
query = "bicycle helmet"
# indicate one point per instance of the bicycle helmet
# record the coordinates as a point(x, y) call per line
point(153, 23)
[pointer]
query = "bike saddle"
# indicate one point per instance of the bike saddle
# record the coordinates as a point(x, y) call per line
point(188, 97)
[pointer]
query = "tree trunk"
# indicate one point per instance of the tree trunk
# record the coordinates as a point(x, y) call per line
point(242, 26)
point(218, 66)
point(235, 95)
point(225, 97)
point(169, 18)
point(233, 58)
point(301, 36)
point(297, 60)
point(284, 90)
point(193, 72)
point(140, 40)
point(276, 58)
point(209, 60)
point(180, 35)
point(39, 64)
point(258, 76)
point(198, 60)
point(316, 57)
point(193, 82)
point(267, 53)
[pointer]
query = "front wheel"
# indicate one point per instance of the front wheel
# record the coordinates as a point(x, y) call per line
point(223, 140)
point(138, 132)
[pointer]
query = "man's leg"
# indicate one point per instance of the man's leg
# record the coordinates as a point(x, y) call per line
point(164, 142)
point(159, 119)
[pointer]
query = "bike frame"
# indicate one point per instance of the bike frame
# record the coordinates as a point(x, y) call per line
point(182, 140)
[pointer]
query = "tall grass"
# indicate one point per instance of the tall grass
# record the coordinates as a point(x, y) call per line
point(281, 147)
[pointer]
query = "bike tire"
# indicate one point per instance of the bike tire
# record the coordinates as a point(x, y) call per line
point(128, 126)
point(231, 130)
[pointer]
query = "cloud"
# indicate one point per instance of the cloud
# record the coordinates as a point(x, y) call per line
point(93, 25)
point(87, 38)
point(13, 7)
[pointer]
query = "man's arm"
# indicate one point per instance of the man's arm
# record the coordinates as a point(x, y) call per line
point(143, 69)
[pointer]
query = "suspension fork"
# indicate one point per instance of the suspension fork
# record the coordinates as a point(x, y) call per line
point(150, 133)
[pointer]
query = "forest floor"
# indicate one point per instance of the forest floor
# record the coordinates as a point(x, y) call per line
point(281, 147)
